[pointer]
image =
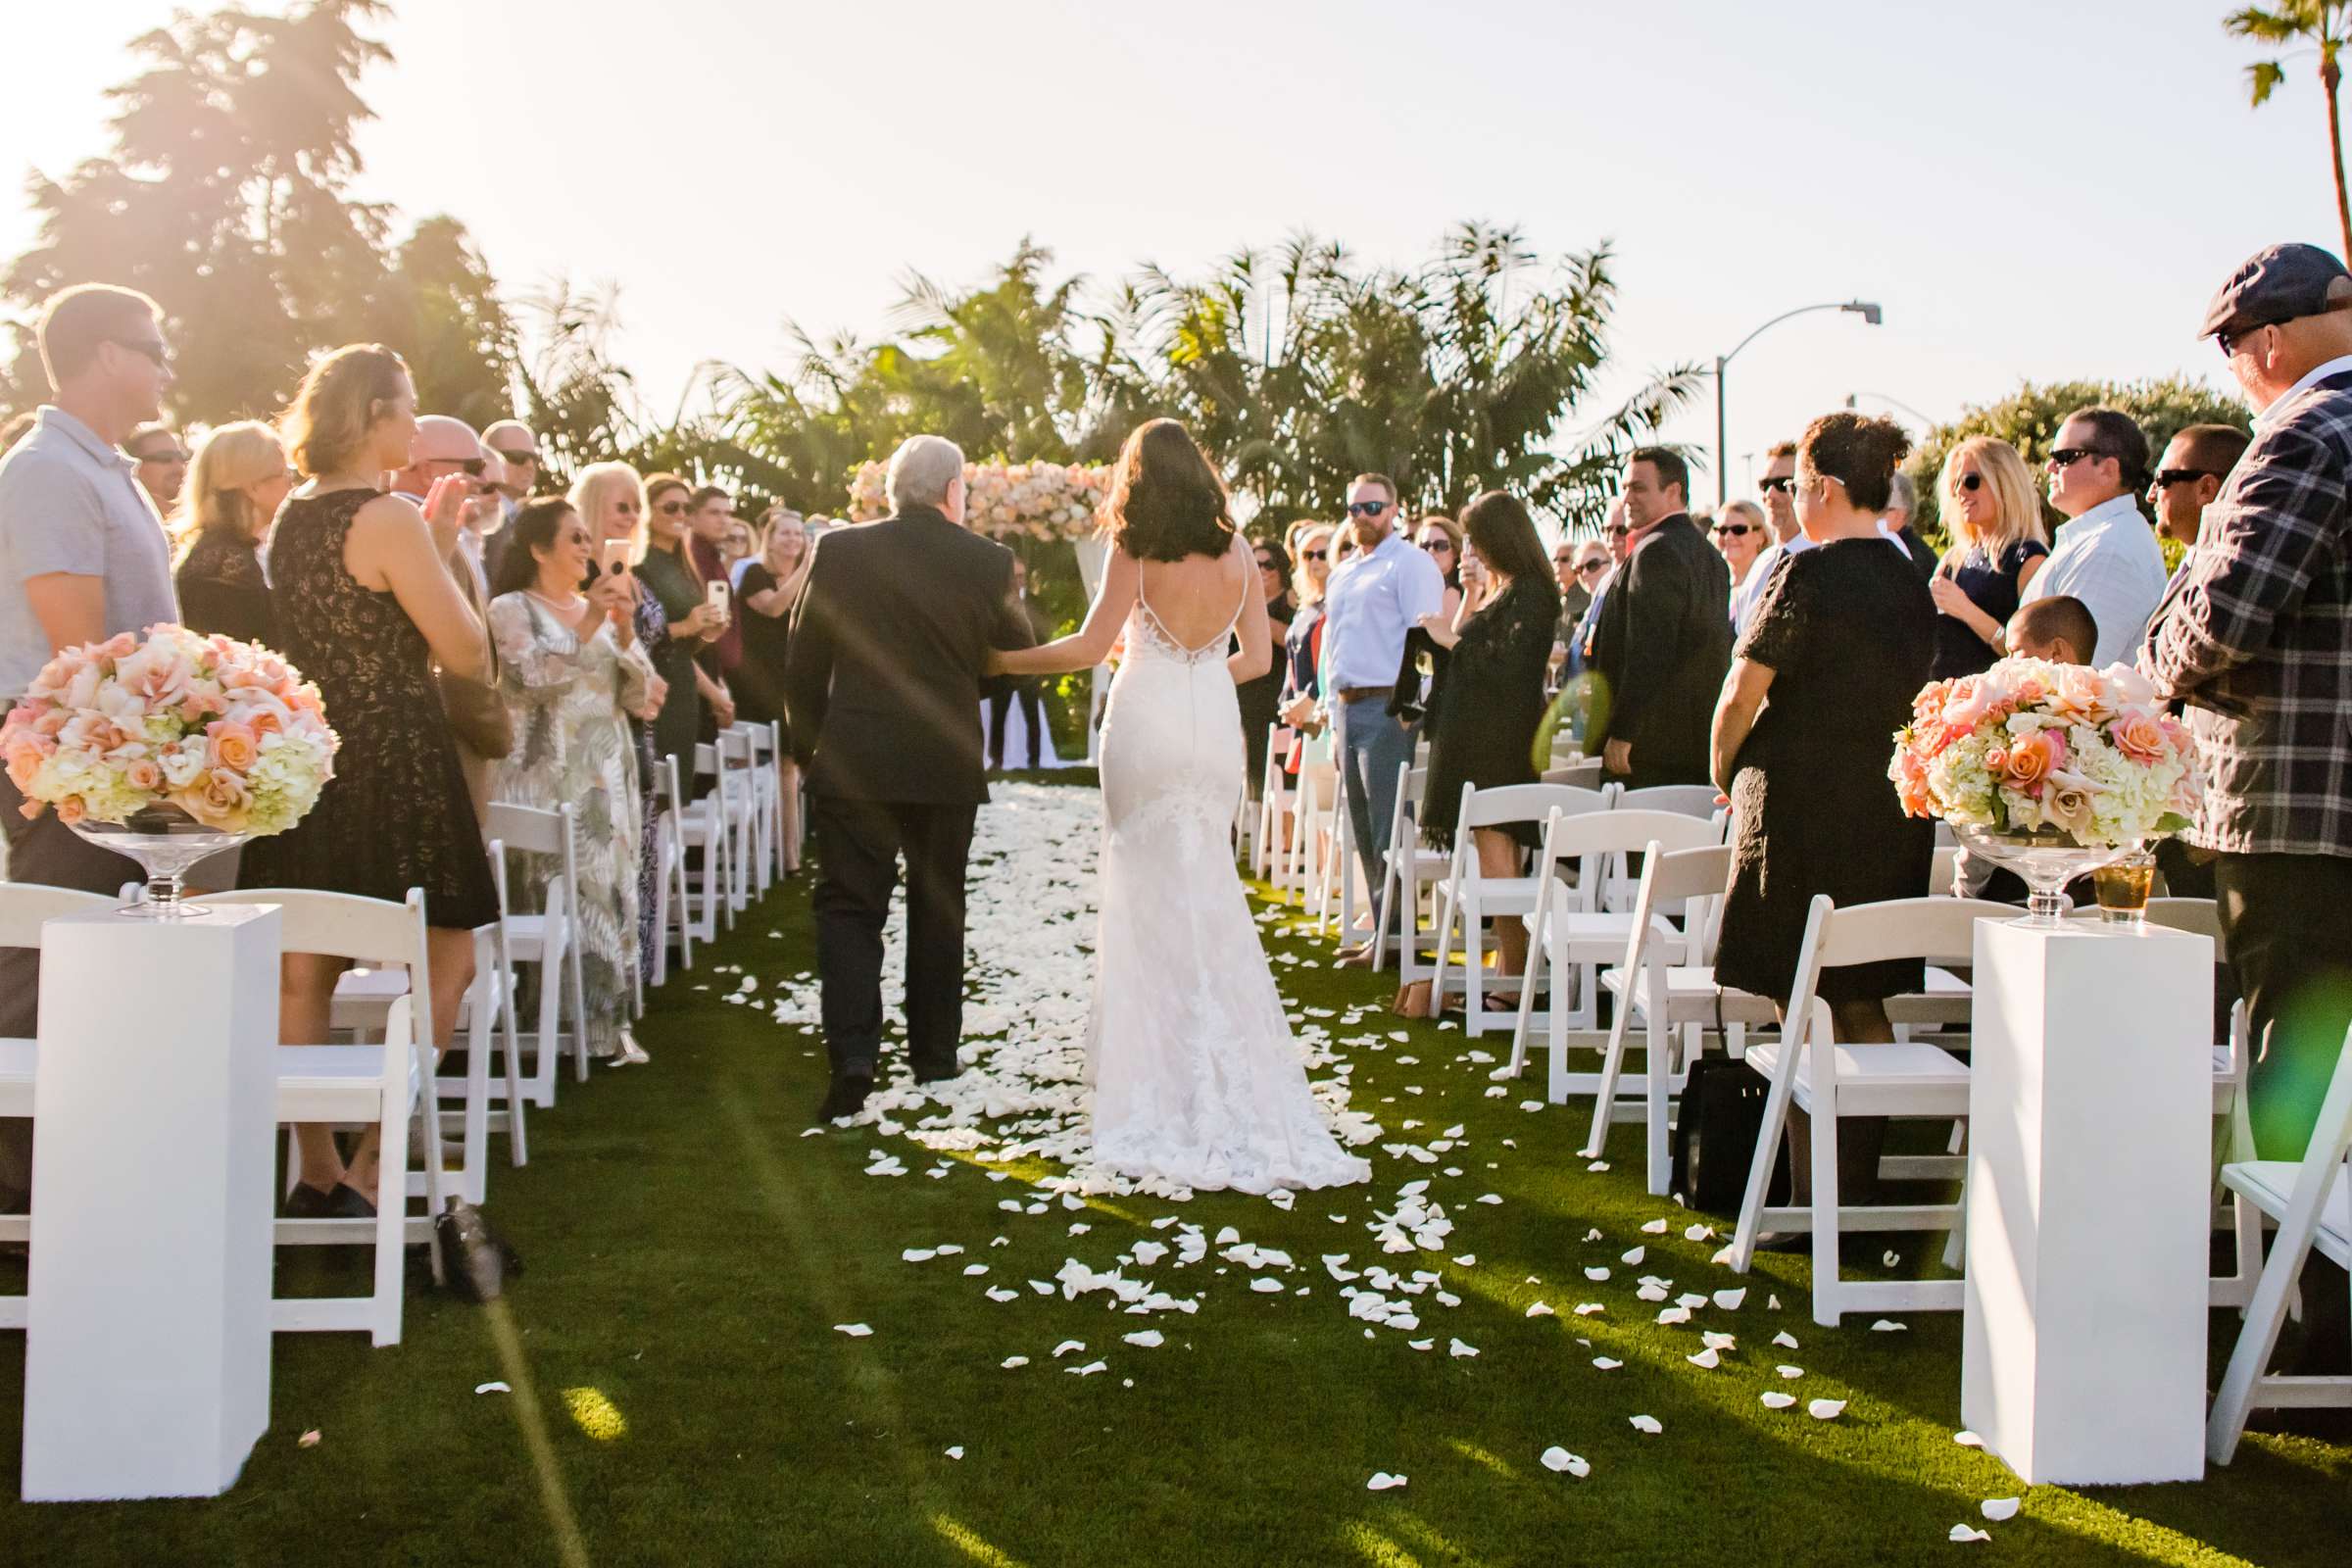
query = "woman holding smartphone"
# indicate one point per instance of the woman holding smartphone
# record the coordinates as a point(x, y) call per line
point(670, 576)
point(768, 588)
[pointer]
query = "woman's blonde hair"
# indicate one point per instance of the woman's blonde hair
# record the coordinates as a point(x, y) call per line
point(229, 459)
point(336, 408)
point(587, 498)
point(2017, 507)
point(1303, 587)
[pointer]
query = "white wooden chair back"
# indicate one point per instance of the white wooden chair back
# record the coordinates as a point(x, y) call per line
point(1585, 775)
point(1514, 804)
point(1943, 871)
point(25, 907)
point(1687, 800)
point(344, 925)
point(530, 828)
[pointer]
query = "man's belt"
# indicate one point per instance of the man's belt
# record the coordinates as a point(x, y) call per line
point(1364, 694)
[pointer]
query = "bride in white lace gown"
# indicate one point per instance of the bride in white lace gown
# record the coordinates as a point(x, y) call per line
point(1197, 1080)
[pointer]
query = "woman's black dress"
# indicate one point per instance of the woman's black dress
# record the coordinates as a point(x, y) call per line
point(224, 591)
point(679, 723)
point(757, 683)
point(1261, 701)
point(1845, 629)
point(1487, 705)
point(397, 815)
point(1993, 587)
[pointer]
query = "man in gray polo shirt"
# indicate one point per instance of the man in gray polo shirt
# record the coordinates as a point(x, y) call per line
point(83, 557)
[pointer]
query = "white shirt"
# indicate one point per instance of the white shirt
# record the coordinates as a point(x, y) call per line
point(2109, 559)
point(1372, 602)
point(2318, 374)
point(1751, 592)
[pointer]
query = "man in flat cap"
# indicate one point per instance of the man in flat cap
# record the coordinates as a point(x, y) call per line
point(2255, 632)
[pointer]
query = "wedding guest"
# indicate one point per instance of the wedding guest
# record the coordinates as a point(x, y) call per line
point(2060, 629)
point(574, 674)
point(2196, 463)
point(1775, 488)
point(83, 557)
point(764, 535)
point(610, 499)
point(670, 578)
point(2106, 556)
point(1373, 600)
point(1596, 561)
point(1663, 641)
point(514, 449)
point(1739, 533)
point(766, 591)
point(1840, 645)
point(1003, 694)
point(1488, 700)
point(1441, 537)
point(447, 447)
point(1261, 699)
point(1309, 545)
point(240, 479)
point(1894, 522)
point(1999, 548)
point(163, 464)
point(2253, 634)
point(710, 516)
point(368, 597)
point(1575, 597)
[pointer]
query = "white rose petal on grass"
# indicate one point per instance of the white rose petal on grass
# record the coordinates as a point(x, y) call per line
point(1043, 1287)
point(1826, 1409)
point(1962, 1534)
point(1067, 1347)
point(1592, 1235)
point(855, 1330)
point(1607, 1363)
point(1468, 1261)
point(1791, 1372)
point(1458, 1348)
point(1674, 1314)
point(1382, 1481)
point(1147, 1339)
point(1709, 1358)
point(1998, 1509)
point(1590, 1309)
point(1490, 1197)
point(1596, 1274)
point(1648, 1425)
point(1560, 1461)
point(1634, 1256)
point(1088, 1370)
point(1657, 1227)
point(1730, 1300)
point(1888, 1325)
point(957, 1452)
point(1719, 1341)
point(1422, 1345)
point(492, 1387)
point(1598, 1166)
point(1541, 1309)
point(1000, 1295)
point(1784, 1340)
point(1772, 1303)
point(1266, 1284)
point(1698, 1233)
point(1011, 1361)
point(974, 1270)
point(1531, 1105)
point(1967, 1440)
point(1775, 1399)
point(1652, 1293)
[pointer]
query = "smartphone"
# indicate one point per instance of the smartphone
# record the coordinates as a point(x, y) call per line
point(616, 556)
point(714, 593)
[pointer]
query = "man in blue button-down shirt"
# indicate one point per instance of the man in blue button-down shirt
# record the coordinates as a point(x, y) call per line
point(83, 557)
point(1374, 600)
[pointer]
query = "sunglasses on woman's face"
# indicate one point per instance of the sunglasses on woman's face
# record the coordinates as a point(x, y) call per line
point(1589, 569)
point(1971, 482)
point(1265, 564)
point(1439, 545)
point(1732, 530)
point(671, 509)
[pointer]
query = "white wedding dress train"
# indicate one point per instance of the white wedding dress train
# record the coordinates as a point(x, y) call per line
point(1197, 1081)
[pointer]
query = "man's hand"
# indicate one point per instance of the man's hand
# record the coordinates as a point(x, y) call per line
point(722, 708)
point(1301, 708)
point(1617, 757)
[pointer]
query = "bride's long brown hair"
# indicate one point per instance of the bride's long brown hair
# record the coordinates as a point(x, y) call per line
point(1166, 501)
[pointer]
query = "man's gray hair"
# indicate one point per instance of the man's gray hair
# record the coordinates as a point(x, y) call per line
point(921, 471)
point(1902, 495)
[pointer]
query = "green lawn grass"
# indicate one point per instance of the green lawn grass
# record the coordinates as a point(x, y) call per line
point(682, 1396)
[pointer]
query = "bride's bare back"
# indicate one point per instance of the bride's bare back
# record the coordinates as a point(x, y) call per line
point(1196, 599)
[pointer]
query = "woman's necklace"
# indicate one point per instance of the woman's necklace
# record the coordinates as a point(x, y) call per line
point(569, 607)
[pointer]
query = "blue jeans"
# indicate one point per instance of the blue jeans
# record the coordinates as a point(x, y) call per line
point(1373, 745)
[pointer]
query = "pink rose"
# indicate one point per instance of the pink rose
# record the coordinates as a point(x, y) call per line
point(143, 774)
point(70, 811)
point(120, 646)
point(2066, 803)
point(2030, 762)
point(2139, 735)
point(2081, 692)
point(23, 762)
point(235, 746)
point(217, 799)
point(1911, 783)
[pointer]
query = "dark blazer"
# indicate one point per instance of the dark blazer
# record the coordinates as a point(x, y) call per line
point(882, 681)
point(1662, 648)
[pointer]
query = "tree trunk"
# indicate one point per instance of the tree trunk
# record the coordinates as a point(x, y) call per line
point(2330, 75)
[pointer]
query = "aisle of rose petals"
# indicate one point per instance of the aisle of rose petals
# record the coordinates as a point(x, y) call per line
point(1022, 1102)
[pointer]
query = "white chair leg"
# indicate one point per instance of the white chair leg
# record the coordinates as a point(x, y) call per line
point(1657, 1091)
point(1474, 970)
point(1823, 1126)
point(1538, 935)
point(1612, 1064)
point(1768, 1146)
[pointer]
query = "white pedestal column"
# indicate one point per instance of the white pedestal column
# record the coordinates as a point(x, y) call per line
point(2090, 1098)
point(147, 1351)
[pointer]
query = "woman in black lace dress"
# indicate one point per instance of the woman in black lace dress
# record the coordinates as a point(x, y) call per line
point(239, 481)
point(1487, 700)
point(365, 607)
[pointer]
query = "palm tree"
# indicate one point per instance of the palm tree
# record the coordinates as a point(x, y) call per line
point(2321, 24)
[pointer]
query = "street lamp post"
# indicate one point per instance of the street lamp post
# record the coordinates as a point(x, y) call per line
point(1868, 312)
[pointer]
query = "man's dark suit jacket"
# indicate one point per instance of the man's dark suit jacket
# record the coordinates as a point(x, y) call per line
point(889, 638)
point(1664, 647)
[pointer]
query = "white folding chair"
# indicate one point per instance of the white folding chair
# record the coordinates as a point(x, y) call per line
point(1314, 826)
point(381, 1084)
point(23, 908)
point(1408, 870)
point(1275, 799)
point(1584, 774)
point(1468, 896)
point(1685, 800)
point(738, 805)
point(702, 827)
point(2311, 1199)
point(670, 903)
point(546, 936)
point(1807, 1067)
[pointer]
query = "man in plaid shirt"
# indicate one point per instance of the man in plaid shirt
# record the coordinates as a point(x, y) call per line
point(2255, 632)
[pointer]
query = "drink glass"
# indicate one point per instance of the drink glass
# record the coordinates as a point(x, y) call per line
point(2123, 888)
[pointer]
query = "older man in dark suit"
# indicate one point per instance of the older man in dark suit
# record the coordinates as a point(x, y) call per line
point(1664, 642)
point(882, 689)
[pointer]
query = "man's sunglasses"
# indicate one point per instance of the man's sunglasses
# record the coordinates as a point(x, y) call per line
point(1619, 531)
point(1784, 483)
point(2166, 478)
point(166, 455)
point(1368, 509)
point(520, 460)
point(471, 467)
point(2068, 457)
point(145, 345)
point(1734, 530)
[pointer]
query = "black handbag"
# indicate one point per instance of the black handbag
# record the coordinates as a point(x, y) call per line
point(475, 1261)
point(1715, 1135)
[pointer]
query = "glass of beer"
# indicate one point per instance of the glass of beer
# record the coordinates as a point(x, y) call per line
point(2122, 887)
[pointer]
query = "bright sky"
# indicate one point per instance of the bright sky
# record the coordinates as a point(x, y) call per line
point(2032, 190)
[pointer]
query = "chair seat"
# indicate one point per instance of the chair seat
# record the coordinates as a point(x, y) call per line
point(1918, 1078)
point(1503, 895)
point(1429, 865)
point(327, 1083)
point(1691, 996)
point(527, 937)
point(17, 1061)
point(2269, 1184)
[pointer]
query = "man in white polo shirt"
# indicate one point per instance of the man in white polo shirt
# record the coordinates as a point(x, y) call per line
point(2106, 553)
point(1374, 600)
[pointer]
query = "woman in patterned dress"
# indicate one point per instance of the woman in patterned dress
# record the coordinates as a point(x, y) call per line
point(574, 672)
